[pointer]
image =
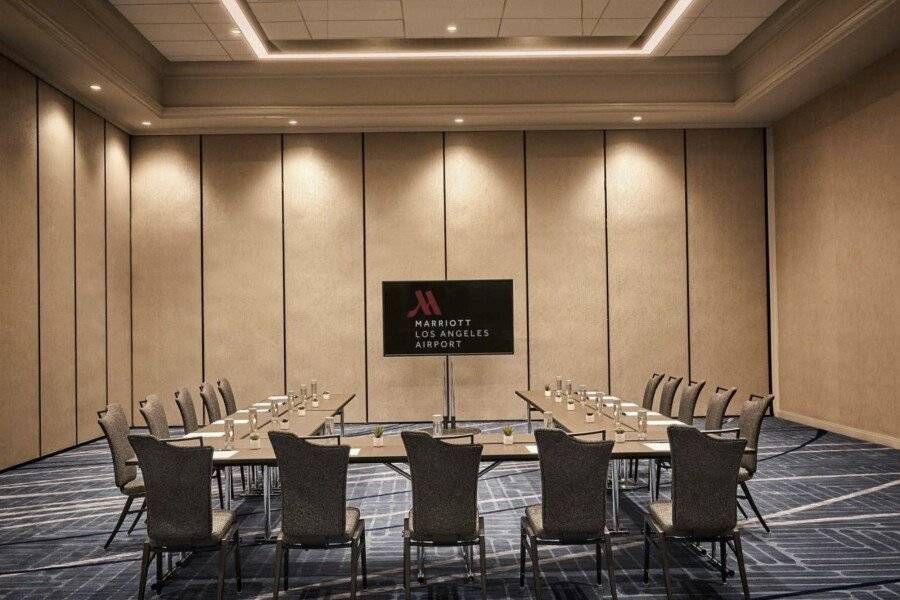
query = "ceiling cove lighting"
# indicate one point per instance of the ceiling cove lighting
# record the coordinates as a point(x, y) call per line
point(637, 118)
point(96, 87)
point(146, 123)
point(458, 120)
point(292, 122)
point(261, 49)
point(451, 28)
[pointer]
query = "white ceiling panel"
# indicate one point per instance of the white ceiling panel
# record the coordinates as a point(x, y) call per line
point(718, 25)
point(541, 9)
point(286, 30)
point(540, 27)
point(267, 12)
point(705, 45)
point(175, 32)
point(213, 12)
point(593, 8)
point(364, 10)
point(314, 10)
point(632, 9)
point(620, 27)
point(160, 13)
point(365, 29)
point(741, 8)
point(432, 28)
point(452, 10)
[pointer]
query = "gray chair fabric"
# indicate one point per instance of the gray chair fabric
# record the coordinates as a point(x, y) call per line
point(688, 402)
point(227, 396)
point(154, 414)
point(444, 488)
point(210, 402)
point(667, 398)
point(186, 408)
point(750, 424)
point(716, 407)
point(650, 390)
point(114, 424)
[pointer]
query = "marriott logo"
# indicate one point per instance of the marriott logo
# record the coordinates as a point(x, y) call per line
point(426, 303)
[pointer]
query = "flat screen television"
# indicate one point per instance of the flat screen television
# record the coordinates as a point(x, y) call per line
point(447, 318)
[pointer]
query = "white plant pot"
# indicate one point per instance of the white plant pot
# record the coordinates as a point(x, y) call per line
point(509, 439)
point(301, 412)
point(547, 393)
point(284, 424)
point(589, 418)
point(378, 441)
point(315, 404)
point(326, 396)
point(254, 444)
point(570, 406)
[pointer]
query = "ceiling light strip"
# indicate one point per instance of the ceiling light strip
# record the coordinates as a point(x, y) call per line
point(236, 10)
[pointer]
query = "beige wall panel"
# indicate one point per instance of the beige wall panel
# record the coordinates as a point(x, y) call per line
point(324, 284)
point(486, 240)
point(838, 256)
point(647, 271)
point(404, 241)
point(57, 268)
point(90, 263)
point(727, 255)
point(566, 257)
point(242, 264)
point(118, 267)
point(166, 269)
point(19, 374)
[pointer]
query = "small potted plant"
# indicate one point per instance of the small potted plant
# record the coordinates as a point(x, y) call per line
point(620, 431)
point(508, 435)
point(378, 436)
point(315, 401)
point(589, 415)
point(285, 424)
point(570, 403)
point(254, 441)
point(547, 391)
point(301, 408)
point(326, 395)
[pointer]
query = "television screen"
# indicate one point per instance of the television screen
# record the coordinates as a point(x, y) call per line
point(447, 317)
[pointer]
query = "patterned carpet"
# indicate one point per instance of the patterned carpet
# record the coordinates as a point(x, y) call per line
point(833, 504)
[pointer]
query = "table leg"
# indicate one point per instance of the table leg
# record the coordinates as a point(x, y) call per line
point(615, 495)
point(651, 469)
point(528, 416)
point(267, 501)
point(342, 421)
point(420, 554)
point(228, 488)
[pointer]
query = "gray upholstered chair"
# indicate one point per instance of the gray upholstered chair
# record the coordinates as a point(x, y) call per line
point(667, 398)
point(717, 406)
point(186, 408)
point(650, 390)
point(573, 501)
point(444, 511)
point(180, 516)
point(749, 426)
point(704, 475)
point(114, 424)
point(227, 396)
point(315, 514)
point(210, 402)
point(154, 414)
point(688, 402)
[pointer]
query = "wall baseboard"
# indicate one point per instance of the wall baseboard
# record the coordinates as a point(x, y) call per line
point(860, 434)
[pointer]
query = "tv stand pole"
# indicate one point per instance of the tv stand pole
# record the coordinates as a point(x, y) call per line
point(449, 399)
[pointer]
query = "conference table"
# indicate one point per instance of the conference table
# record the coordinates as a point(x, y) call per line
point(392, 453)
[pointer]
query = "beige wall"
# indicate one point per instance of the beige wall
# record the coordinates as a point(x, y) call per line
point(60, 173)
point(837, 219)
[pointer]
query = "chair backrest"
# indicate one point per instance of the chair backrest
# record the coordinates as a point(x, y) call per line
point(573, 484)
point(650, 390)
point(313, 488)
point(444, 487)
point(186, 408)
point(227, 396)
point(115, 427)
point(210, 402)
point(176, 477)
point(155, 416)
point(667, 398)
point(688, 402)
point(716, 407)
point(704, 477)
point(750, 423)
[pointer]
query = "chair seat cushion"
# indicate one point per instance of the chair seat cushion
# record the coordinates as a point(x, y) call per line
point(449, 539)
point(352, 518)
point(222, 520)
point(744, 475)
point(135, 487)
point(535, 516)
point(661, 515)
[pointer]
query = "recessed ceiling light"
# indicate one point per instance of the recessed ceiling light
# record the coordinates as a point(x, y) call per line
point(637, 118)
point(451, 28)
point(146, 123)
point(292, 122)
point(458, 120)
point(235, 31)
point(96, 87)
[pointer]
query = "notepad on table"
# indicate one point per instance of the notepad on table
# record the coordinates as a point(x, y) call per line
point(236, 421)
point(262, 404)
point(277, 398)
point(354, 451)
point(197, 434)
point(628, 404)
point(222, 454)
point(658, 446)
point(531, 448)
point(656, 422)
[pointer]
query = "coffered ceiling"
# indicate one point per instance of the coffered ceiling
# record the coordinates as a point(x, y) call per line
point(203, 30)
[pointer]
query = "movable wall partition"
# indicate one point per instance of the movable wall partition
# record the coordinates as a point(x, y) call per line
point(260, 258)
point(65, 331)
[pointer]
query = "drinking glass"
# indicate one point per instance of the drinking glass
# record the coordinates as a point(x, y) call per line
point(229, 434)
point(617, 411)
point(437, 422)
point(559, 382)
point(568, 385)
point(273, 408)
point(329, 425)
point(642, 423)
point(314, 388)
point(582, 392)
point(252, 419)
point(548, 419)
point(303, 393)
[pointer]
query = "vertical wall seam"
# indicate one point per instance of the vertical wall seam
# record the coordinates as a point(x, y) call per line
point(765, 141)
point(202, 273)
point(362, 151)
point(527, 290)
point(37, 197)
point(130, 281)
point(447, 382)
point(687, 255)
point(283, 277)
point(75, 255)
point(606, 272)
point(105, 274)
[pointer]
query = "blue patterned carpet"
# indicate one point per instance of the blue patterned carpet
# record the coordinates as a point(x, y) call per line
point(833, 504)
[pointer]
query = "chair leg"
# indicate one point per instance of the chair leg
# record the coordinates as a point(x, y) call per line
point(223, 556)
point(353, 558)
point(138, 517)
point(658, 476)
point(362, 538)
point(599, 558)
point(243, 483)
point(646, 553)
point(145, 566)
point(723, 558)
point(482, 566)
point(610, 568)
point(522, 555)
point(115, 530)
point(664, 550)
point(741, 508)
point(286, 568)
point(407, 567)
point(219, 483)
point(739, 556)
point(237, 559)
point(159, 571)
point(753, 505)
point(279, 554)
point(535, 566)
